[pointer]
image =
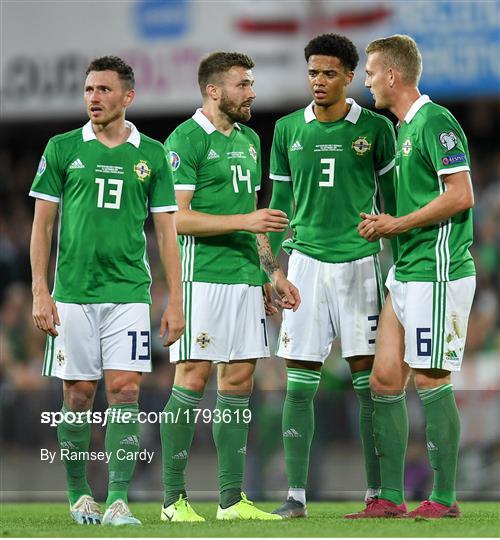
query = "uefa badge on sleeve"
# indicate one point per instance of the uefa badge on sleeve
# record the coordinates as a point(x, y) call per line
point(41, 166)
point(142, 170)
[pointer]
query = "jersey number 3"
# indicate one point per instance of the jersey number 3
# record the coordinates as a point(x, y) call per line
point(114, 191)
point(329, 171)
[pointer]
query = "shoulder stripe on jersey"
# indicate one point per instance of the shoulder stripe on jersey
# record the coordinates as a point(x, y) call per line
point(453, 170)
point(156, 209)
point(387, 168)
point(184, 187)
point(280, 178)
point(44, 196)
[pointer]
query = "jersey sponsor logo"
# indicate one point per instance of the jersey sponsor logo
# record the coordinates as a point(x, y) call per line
point(406, 148)
point(77, 164)
point(142, 170)
point(361, 146)
point(175, 160)
point(448, 140)
point(203, 340)
point(296, 146)
point(328, 148)
point(213, 154)
point(42, 165)
point(252, 152)
point(451, 160)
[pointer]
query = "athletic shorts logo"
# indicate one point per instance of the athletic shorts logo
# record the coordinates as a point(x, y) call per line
point(406, 147)
point(175, 160)
point(285, 339)
point(203, 340)
point(142, 170)
point(361, 146)
point(451, 160)
point(448, 140)
point(42, 165)
point(60, 357)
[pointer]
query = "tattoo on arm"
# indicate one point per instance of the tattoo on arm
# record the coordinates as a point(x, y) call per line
point(267, 260)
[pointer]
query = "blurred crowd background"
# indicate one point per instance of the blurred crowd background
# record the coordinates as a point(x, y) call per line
point(39, 101)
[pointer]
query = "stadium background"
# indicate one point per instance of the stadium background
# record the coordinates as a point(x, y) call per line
point(45, 49)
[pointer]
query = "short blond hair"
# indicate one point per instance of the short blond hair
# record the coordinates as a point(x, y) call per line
point(401, 52)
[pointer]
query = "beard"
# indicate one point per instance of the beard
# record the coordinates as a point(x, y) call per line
point(233, 110)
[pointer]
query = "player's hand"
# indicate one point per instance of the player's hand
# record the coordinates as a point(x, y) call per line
point(172, 324)
point(289, 296)
point(265, 220)
point(270, 308)
point(376, 226)
point(45, 315)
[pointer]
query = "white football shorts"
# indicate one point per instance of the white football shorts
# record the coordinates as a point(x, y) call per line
point(338, 300)
point(434, 316)
point(94, 337)
point(223, 323)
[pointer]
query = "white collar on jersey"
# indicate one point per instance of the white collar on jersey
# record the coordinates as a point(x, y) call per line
point(352, 115)
point(134, 138)
point(205, 123)
point(417, 105)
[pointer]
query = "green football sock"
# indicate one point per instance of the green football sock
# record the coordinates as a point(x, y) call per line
point(230, 432)
point(123, 435)
point(177, 432)
point(361, 384)
point(390, 430)
point(442, 431)
point(74, 437)
point(298, 423)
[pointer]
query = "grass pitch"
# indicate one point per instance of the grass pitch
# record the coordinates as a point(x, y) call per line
point(325, 520)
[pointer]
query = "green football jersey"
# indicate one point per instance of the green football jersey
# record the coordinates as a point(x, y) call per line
point(224, 173)
point(336, 170)
point(430, 144)
point(103, 195)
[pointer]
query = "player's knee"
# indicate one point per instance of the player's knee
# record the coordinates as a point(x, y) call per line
point(381, 383)
point(123, 392)
point(79, 396)
point(192, 376)
point(238, 380)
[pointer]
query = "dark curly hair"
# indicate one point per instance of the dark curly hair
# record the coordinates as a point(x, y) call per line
point(217, 63)
point(334, 45)
point(113, 63)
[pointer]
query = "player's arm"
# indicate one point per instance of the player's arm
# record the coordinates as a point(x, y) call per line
point(281, 199)
point(457, 198)
point(44, 312)
point(287, 292)
point(192, 222)
point(173, 316)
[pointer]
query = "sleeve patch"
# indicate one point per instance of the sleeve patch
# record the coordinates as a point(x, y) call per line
point(41, 166)
point(448, 140)
point(175, 160)
point(452, 160)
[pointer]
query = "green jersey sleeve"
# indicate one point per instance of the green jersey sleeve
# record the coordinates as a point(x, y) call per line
point(183, 161)
point(445, 144)
point(48, 182)
point(280, 167)
point(161, 193)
